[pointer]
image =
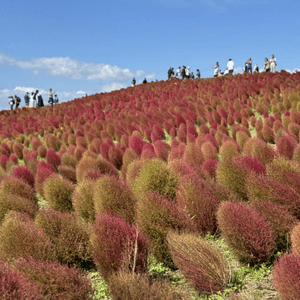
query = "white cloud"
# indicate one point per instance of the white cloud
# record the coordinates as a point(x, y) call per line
point(67, 67)
point(293, 71)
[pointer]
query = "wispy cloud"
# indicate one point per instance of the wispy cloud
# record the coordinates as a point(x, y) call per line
point(69, 68)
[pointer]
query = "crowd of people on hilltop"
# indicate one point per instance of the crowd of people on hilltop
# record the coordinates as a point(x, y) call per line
point(33, 100)
point(269, 66)
point(185, 72)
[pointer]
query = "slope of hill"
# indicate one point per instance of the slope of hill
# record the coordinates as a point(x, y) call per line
point(201, 176)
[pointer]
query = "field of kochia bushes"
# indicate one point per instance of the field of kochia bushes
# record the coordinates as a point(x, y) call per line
point(104, 182)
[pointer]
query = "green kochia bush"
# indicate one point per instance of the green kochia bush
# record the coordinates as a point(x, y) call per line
point(82, 200)
point(56, 281)
point(21, 238)
point(250, 237)
point(156, 215)
point(13, 285)
point(200, 262)
point(58, 192)
point(17, 203)
point(70, 237)
point(117, 245)
point(156, 176)
point(112, 195)
point(286, 276)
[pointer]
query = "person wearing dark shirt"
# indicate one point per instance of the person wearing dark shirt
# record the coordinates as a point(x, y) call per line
point(26, 99)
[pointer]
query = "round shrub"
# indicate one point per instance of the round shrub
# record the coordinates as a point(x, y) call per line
point(82, 200)
point(295, 238)
point(112, 195)
point(116, 245)
point(201, 263)
point(154, 175)
point(286, 145)
point(249, 236)
point(53, 159)
point(156, 215)
point(16, 286)
point(69, 236)
point(16, 186)
point(229, 149)
point(68, 172)
point(25, 174)
point(200, 202)
point(21, 238)
point(56, 281)
point(58, 192)
point(286, 276)
point(43, 171)
point(68, 159)
point(17, 203)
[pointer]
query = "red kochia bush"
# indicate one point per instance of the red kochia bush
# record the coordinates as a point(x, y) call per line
point(25, 174)
point(13, 285)
point(56, 281)
point(43, 171)
point(246, 232)
point(286, 276)
point(53, 159)
point(116, 244)
point(286, 146)
point(295, 238)
point(199, 201)
point(136, 143)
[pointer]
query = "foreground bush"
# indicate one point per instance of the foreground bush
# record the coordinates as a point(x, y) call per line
point(116, 244)
point(58, 192)
point(17, 203)
point(69, 236)
point(25, 174)
point(56, 281)
point(112, 195)
point(21, 238)
point(295, 238)
point(43, 171)
point(280, 219)
point(200, 202)
point(82, 200)
point(249, 236)
point(200, 262)
point(286, 276)
point(16, 186)
point(13, 285)
point(154, 175)
point(132, 286)
point(156, 215)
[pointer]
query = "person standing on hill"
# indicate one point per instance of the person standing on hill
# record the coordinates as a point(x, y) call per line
point(169, 74)
point(26, 99)
point(198, 74)
point(178, 72)
point(248, 66)
point(11, 102)
point(267, 65)
point(50, 94)
point(188, 72)
point(230, 66)
point(133, 82)
point(273, 63)
point(17, 101)
point(216, 69)
point(183, 74)
point(256, 68)
point(32, 100)
point(55, 99)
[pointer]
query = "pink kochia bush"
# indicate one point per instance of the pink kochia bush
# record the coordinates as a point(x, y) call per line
point(200, 202)
point(13, 285)
point(56, 281)
point(249, 236)
point(24, 173)
point(116, 244)
point(53, 159)
point(43, 171)
point(286, 276)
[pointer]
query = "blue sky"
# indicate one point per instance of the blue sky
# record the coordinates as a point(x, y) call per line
point(86, 47)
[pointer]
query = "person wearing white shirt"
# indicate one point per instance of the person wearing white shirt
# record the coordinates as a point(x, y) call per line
point(188, 72)
point(273, 63)
point(230, 66)
point(216, 69)
point(32, 101)
point(178, 72)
